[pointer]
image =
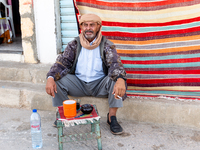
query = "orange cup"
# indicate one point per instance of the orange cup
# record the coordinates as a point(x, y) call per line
point(69, 108)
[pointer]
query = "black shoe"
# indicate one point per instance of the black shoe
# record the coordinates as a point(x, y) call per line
point(55, 124)
point(115, 128)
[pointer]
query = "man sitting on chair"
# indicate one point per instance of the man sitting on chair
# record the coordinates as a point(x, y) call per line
point(89, 66)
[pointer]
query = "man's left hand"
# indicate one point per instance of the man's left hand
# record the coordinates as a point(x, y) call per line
point(119, 88)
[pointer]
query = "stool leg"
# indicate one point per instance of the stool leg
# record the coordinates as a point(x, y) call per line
point(60, 134)
point(92, 127)
point(98, 133)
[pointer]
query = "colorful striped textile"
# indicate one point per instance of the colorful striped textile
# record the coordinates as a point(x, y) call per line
point(158, 41)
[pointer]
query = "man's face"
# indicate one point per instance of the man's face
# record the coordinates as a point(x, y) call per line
point(90, 30)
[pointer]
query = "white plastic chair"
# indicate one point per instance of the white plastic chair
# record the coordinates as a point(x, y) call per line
point(9, 14)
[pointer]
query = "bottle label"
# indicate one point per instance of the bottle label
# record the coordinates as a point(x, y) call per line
point(35, 127)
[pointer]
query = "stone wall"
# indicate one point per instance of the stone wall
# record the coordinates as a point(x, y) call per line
point(28, 31)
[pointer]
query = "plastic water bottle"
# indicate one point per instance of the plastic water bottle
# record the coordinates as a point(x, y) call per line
point(36, 132)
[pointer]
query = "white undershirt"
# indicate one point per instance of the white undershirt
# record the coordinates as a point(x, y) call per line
point(89, 65)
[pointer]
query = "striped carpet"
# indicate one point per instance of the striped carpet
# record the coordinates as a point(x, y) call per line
point(158, 41)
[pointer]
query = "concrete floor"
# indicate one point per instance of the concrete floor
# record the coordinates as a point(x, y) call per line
point(16, 46)
point(15, 134)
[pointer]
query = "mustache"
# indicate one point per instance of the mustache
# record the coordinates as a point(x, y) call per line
point(88, 31)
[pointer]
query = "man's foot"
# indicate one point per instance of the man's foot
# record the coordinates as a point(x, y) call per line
point(115, 128)
point(55, 124)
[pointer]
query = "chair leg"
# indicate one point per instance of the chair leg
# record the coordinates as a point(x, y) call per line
point(60, 140)
point(13, 28)
point(98, 133)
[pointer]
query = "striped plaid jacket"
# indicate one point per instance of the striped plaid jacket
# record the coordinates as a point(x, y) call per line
point(66, 62)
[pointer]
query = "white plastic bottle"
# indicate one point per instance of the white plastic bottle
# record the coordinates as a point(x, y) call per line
point(36, 132)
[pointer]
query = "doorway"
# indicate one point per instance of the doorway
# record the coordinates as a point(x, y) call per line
point(16, 17)
point(16, 46)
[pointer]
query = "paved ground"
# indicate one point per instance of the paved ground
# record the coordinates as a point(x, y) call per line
point(15, 134)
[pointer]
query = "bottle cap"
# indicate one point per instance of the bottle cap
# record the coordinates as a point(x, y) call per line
point(34, 110)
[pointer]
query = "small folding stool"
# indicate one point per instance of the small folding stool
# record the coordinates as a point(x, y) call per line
point(80, 119)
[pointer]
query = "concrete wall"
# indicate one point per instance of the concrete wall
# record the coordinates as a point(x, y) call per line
point(45, 28)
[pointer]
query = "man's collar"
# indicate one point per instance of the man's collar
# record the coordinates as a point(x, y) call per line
point(93, 41)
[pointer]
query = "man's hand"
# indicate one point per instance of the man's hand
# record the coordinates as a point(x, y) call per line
point(119, 88)
point(51, 87)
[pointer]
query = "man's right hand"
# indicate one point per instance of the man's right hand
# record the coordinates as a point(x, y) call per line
point(51, 87)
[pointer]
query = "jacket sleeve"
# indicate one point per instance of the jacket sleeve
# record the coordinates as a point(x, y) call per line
point(63, 62)
point(113, 62)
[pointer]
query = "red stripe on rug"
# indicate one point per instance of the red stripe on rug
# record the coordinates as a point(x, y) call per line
point(167, 84)
point(159, 33)
point(165, 72)
point(142, 4)
point(107, 23)
point(154, 81)
point(164, 90)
